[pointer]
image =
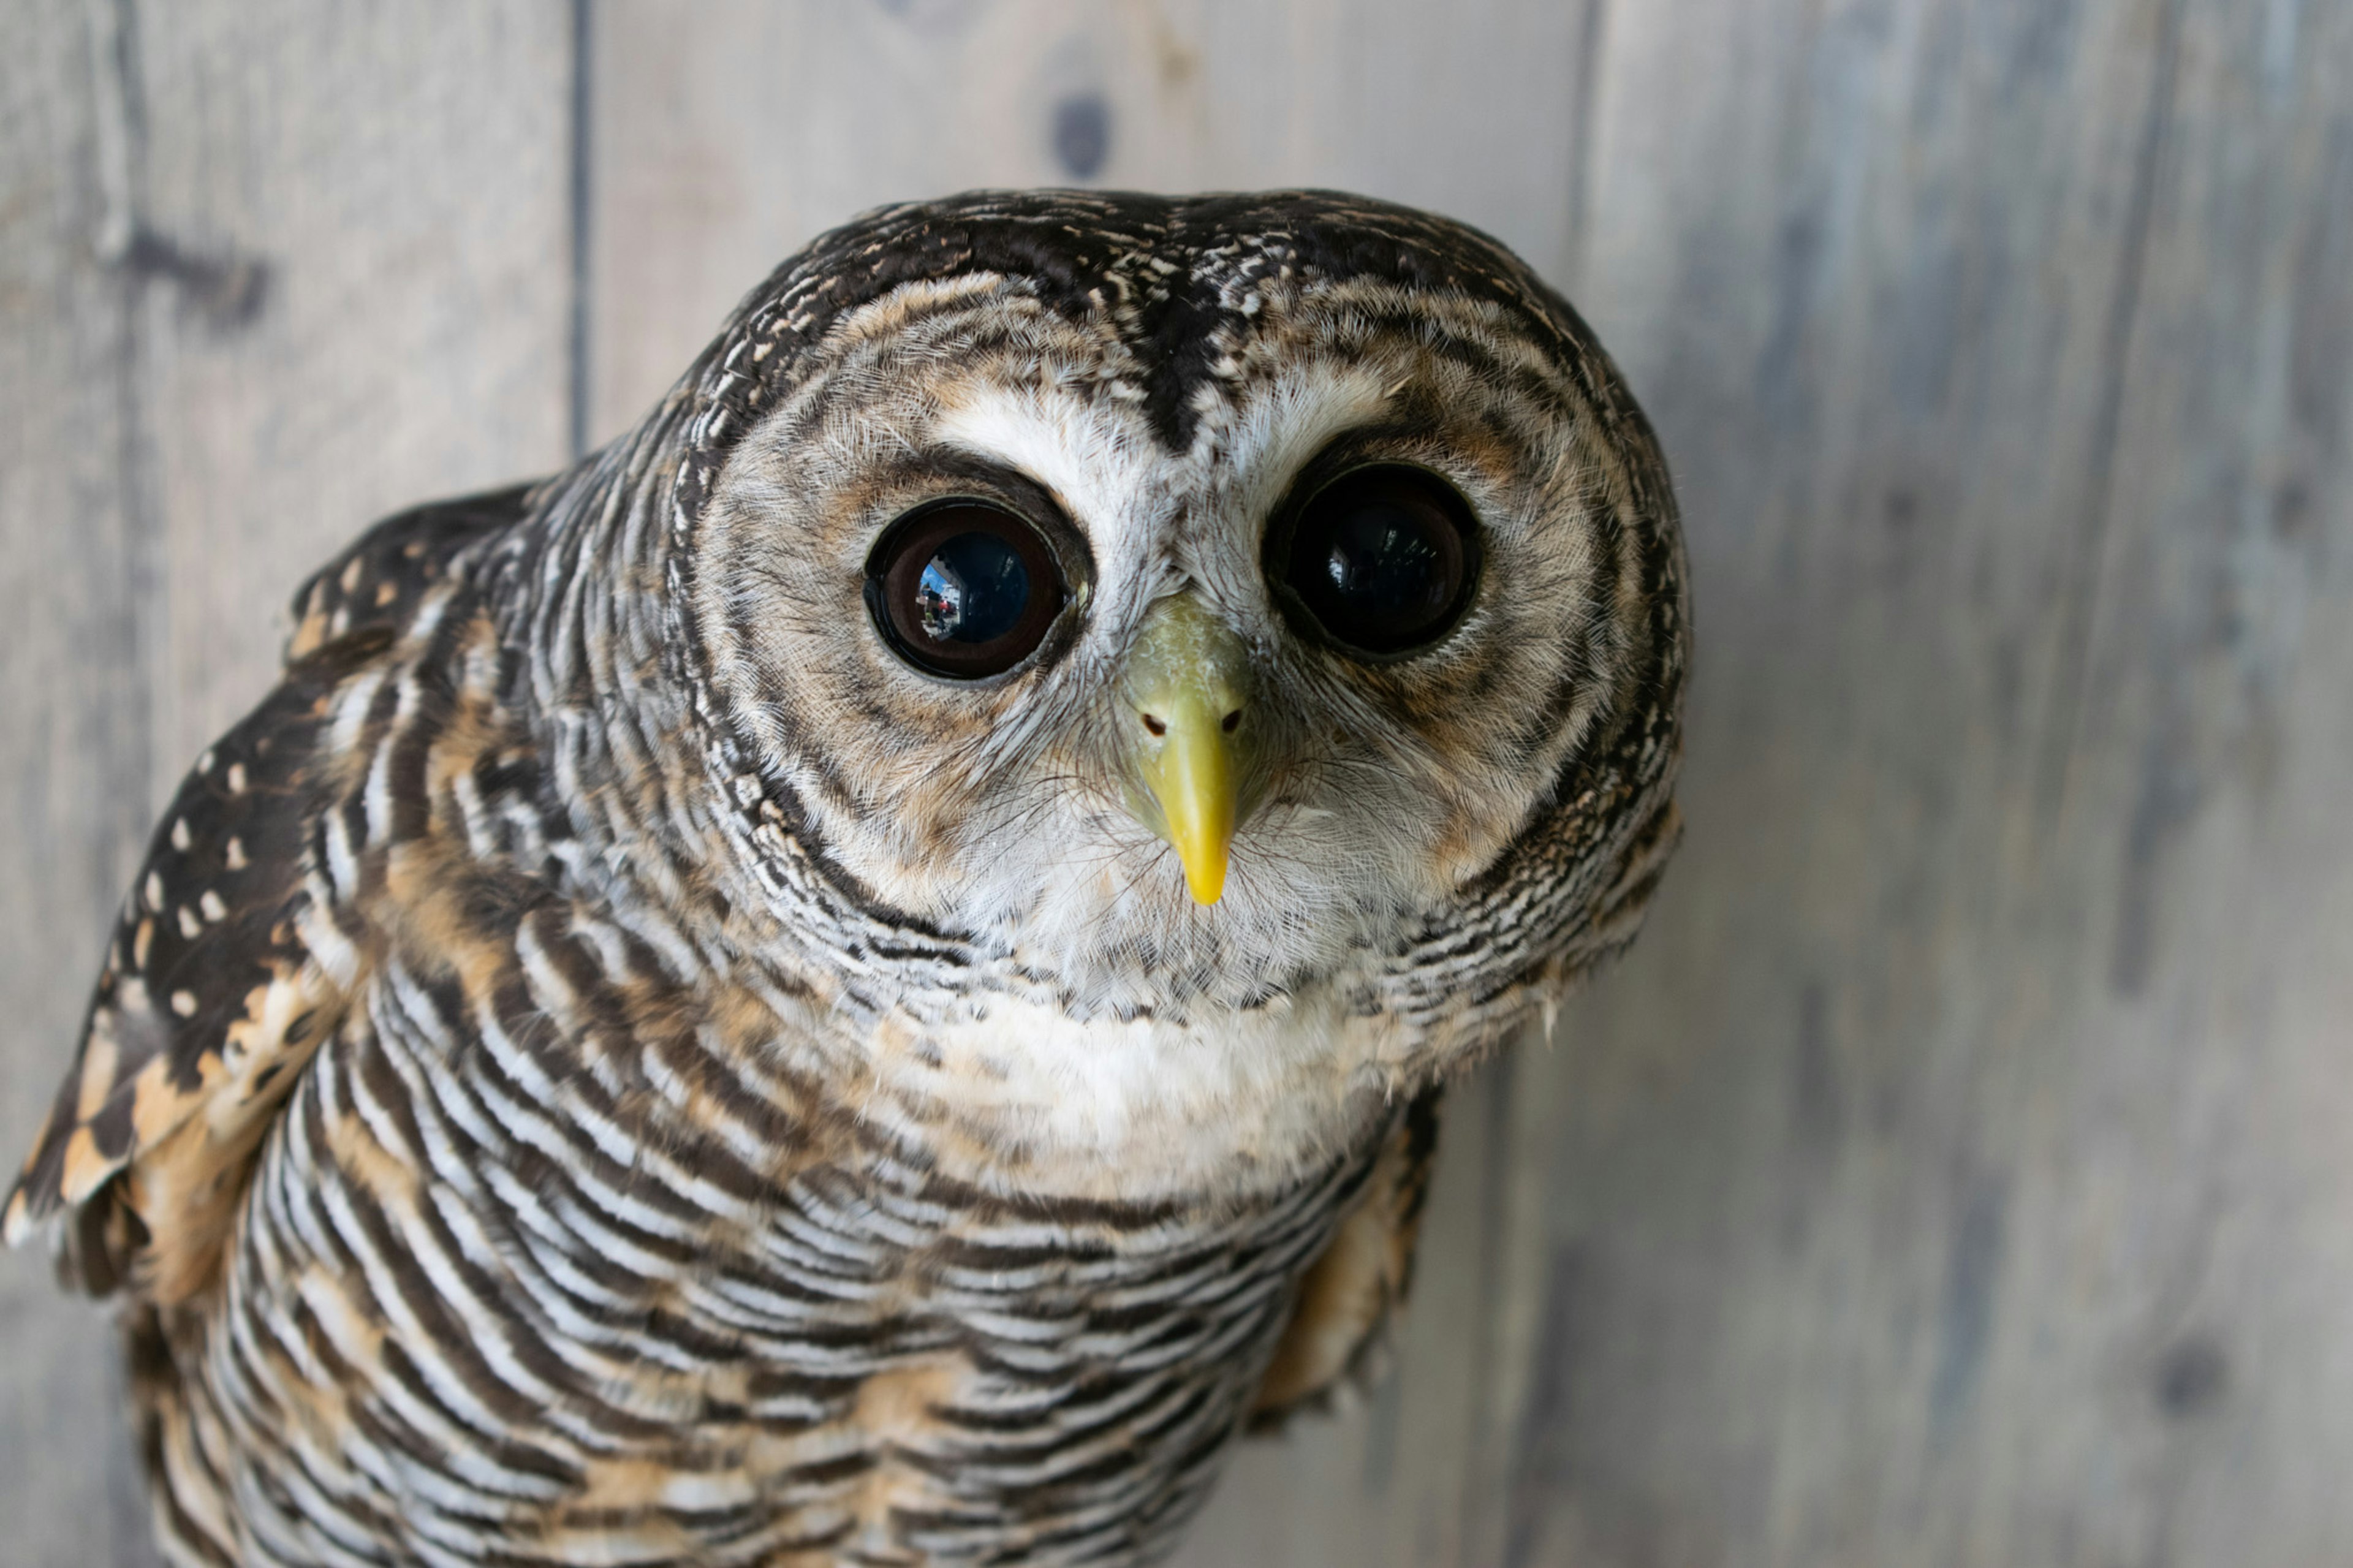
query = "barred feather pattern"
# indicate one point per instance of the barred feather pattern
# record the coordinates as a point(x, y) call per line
point(517, 1141)
point(552, 1355)
point(547, 1259)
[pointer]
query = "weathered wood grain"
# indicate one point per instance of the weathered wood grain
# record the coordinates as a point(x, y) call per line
point(266, 271)
point(79, 541)
point(727, 133)
point(398, 176)
point(1955, 1174)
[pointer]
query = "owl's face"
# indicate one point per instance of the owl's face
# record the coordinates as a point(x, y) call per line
point(1166, 720)
point(967, 594)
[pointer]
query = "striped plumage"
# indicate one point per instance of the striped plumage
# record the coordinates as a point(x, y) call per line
point(607, 1065)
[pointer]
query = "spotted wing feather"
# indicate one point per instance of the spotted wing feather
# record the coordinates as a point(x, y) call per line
point(225, 970)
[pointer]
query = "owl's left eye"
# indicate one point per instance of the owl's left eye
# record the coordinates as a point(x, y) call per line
point(1380, 562)
point(963, 589)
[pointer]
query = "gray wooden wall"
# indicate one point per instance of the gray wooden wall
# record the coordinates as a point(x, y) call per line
point(1960, 1171)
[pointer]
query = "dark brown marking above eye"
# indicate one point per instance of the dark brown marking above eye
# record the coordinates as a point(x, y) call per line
point(963, 588)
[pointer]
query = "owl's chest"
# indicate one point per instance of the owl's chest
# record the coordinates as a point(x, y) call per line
point(1013, 1093)
point(561, 1313)
point(1054, 1380)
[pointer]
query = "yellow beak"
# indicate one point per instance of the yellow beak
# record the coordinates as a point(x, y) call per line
point(1186, 693)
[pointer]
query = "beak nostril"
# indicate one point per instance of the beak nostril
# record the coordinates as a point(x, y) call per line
point(1155, 725)
point(1233, 721)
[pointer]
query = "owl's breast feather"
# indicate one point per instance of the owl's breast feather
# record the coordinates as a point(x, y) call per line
point(1232, 1103)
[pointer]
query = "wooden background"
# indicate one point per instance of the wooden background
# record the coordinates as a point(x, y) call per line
point(1960, 1171)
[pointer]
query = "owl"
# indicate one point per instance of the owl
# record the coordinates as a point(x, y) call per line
point(864, 976)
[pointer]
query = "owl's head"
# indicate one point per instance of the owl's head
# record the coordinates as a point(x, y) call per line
point(1183, 601)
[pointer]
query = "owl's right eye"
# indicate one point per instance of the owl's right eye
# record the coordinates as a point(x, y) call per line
point(963, 588)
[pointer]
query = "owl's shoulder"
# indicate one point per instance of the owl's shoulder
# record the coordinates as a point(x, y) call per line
point(379, 581)
point(243, 938)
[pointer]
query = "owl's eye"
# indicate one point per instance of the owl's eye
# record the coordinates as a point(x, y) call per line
point(1382, 559)
point(963, 589)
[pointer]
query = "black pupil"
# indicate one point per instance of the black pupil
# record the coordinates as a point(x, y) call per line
point(1385, 566)
point(1380, 559)
point(972, 590)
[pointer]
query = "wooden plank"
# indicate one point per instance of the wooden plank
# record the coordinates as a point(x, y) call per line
point(74, 536)
point(281, 269)
point(400, 178)
point(724, 143)
point(727, 133)
point(1954, 1173)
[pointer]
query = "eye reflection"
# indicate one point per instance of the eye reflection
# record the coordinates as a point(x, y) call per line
point(1385, 563)
point(972, 590)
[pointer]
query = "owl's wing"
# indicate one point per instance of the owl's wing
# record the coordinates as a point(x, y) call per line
point(1353, 1292)
point(227, 969)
